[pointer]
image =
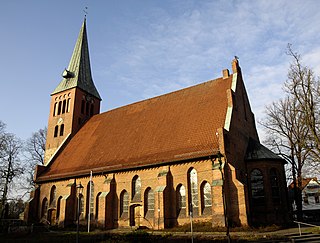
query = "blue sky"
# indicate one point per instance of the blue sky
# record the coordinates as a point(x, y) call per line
point(143, 48)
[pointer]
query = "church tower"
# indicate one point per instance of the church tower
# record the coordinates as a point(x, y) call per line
point(74, 100)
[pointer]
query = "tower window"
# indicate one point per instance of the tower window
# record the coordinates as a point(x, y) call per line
point(61, 129)
point(55, 109)
point(56, 131)
point(59, 107)
point(64, 103)
point(68, 105)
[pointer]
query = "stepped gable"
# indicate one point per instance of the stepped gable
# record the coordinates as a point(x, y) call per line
point(173, 127)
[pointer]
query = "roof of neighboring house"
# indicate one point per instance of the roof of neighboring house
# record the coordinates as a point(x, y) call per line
point(173, 127)
point(305, 182)
point(256, 151)
point(78, 73)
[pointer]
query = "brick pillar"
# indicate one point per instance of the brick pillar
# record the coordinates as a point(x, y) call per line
point(217, 199)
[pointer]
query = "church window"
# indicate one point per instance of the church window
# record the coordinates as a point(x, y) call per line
point(193, 189)
point(68, 104)
point(64, 103)
point(274, 181)
point(181, 199)
point(44, 208)
point(124, 203)
point(90, 199)
point(136, 188)
point(206, 197)
point(97, 205)
point(81, 206)
point(56, 128)
point(53, 196)
point(91, 110)
point(61, 129)
point(59, 107)
point(257, 187)
point(58, 207)
point(55, 109)
point(82, 106)
point(149, 202)
point(87, 108)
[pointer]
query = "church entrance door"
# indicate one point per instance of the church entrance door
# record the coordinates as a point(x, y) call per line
point(135, 214)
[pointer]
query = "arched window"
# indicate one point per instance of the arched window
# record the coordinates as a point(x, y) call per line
point(193, 189)
point(56, 128)
point(181, 199)
point(257, 187)
point(97, 205)
point(64, 104)
point(53, 197)
point(61, 129)
point(90, 199)
point(124, 203)
point(87, 108)
point(59, 107)
point(149, 203)
point(274, 182)
point(68, 104)
point(55, 109)
point(82, 106)
point(81, 211)
point(206, 197)
point(136, 188)
point(44, 208)
point(58, 207)
point(91, 110)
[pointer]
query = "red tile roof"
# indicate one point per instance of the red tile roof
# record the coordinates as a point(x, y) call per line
point(176, 126)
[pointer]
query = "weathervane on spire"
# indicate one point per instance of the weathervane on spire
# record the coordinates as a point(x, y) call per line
point(85, 12)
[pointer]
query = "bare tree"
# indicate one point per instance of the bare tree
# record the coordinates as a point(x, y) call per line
point(34, 152)
point(10, 167)
point(287, 135)
point(305, 88)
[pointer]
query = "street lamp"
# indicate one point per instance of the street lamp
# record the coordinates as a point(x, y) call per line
point(79, 190)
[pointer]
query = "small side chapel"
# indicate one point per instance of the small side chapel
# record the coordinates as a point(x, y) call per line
point(153, 162)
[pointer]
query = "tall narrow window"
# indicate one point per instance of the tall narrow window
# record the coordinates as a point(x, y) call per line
point(124, 203)
point(206, 198)
point(82, 106)
point(61, 129)
point(181, 199)
point(55, 109)
point(68, 104)
point(81, 204)
point(90, 199)
point(44, 209)
point(64, 104)
point(58, 207)
point(193, 189)
point(257, 187)
point(91, 110)
point(274, 182)
point(53, 196)
point(97, 205)
point(56, 128)
point(136, 188)
point(149, 203)
point(87, 108)
point(59, 107)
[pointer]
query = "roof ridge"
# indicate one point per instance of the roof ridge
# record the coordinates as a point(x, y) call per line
point(165, 95)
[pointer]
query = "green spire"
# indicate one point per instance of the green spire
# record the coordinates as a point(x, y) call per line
point(78, 73)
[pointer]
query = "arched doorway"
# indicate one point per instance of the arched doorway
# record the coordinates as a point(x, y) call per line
point(136, 214)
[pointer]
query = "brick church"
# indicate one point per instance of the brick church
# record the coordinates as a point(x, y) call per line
point(154, 162)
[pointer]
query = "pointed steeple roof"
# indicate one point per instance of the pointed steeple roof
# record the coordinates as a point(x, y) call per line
point(78, 73)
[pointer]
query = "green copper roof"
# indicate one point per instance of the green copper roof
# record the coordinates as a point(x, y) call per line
point(256, 151)
point(78, 73)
